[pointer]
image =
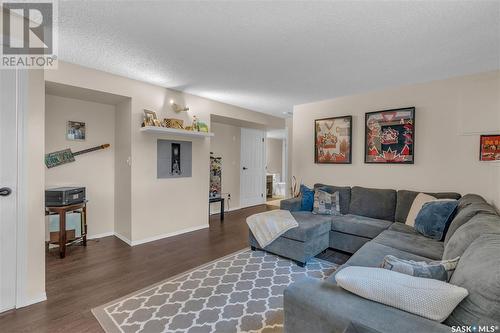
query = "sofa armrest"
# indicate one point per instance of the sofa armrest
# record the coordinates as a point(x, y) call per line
point(292, 204)
point(315, 305)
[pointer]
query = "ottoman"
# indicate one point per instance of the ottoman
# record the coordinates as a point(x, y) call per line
point(302, 243)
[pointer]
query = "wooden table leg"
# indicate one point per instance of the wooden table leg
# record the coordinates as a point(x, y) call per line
point(84, 216)
point(62, 234)
point(222, 209)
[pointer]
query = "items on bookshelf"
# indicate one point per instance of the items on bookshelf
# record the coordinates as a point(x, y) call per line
point(151, 119)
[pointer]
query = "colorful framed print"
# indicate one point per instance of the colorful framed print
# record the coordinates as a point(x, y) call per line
point(390, 136)
point(490, 148)
point(333, 140)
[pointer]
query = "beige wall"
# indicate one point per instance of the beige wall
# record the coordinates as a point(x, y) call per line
point(95, 171)
point(226, 144)
point(34, 267)
point(168, 206)
point(450, 114)
point(274, 155)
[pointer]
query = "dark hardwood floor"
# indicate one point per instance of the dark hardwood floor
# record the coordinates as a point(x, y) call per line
point(108, 269)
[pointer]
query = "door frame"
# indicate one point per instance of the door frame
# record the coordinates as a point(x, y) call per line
point(264, 168)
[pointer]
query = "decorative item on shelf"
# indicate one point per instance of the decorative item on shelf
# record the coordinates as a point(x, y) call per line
point(150, 119)
point(173, 123)
point(202, 127)
point(490, 148)
point(189, 128)
point(194, 125)
point(176, 107)
point(390, 136)
point(332, 140)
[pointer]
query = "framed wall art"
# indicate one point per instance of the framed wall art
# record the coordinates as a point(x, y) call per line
point(174, 159)
point(390, 136)
point(75, 130)
point(333, 140)
point(490, 148)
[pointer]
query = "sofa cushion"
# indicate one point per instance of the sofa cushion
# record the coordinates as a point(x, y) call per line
point(313, 305)
point(435, 217)
point(292, 204)
point(372, 254)
point(374, 203)
point(344, 193)
point(478, 271)
point(359, 225)
point(480, 224)
point(416, 244)
point(405, 200)
point(438, 269)
point(307, 198)
point(310, 226)
point(428, 298)
point(465, 214)
point(401, 227)
point(469, 199)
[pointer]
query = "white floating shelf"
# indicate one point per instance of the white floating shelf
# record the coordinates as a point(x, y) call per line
point(175, 131)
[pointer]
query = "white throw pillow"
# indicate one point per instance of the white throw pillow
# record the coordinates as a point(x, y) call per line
point(427, 298)
point(420, 200)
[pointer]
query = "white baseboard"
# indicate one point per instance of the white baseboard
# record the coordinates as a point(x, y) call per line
point(171, 234)
point(216, 212)
point(104, 234)
point(123, 238)
point(37, 299)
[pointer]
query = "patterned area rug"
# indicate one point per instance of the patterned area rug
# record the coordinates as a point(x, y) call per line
point(242, 292)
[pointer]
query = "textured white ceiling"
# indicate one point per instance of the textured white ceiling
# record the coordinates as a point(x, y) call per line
point(270, 55)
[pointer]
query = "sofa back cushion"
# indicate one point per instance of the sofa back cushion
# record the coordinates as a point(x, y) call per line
point(344, 192)
point(405, 200)
point(479, 225)
point(469, 199)
point(374, 203)
point(465, 214)
point(478, 271)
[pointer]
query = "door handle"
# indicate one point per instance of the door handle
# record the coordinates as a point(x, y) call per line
point(5, 191)
point(244, 168)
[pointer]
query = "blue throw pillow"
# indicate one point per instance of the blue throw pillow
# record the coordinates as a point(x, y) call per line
point(435, 217)
point(307, 196)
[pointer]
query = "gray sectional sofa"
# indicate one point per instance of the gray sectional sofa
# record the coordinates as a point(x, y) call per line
point(371, 227)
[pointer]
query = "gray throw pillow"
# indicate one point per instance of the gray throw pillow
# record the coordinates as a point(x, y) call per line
point(326, 203)
point(437, 270)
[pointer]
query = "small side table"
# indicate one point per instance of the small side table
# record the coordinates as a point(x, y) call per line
point(210, 200)
point(61, 211)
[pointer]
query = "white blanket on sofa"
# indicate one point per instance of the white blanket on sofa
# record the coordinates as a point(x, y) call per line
point(268, 226)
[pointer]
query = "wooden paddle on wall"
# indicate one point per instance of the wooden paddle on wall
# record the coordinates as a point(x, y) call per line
point(67, 156)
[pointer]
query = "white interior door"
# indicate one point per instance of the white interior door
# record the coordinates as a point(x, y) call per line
point(8, 188)
point(252, 167)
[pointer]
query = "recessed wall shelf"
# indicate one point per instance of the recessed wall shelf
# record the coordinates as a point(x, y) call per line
point(175, 131)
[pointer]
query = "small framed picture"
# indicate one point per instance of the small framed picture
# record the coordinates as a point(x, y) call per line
point(75, 131)
point(490, 148)
point(332, 140)
point(390, 136)
point(150, 118)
